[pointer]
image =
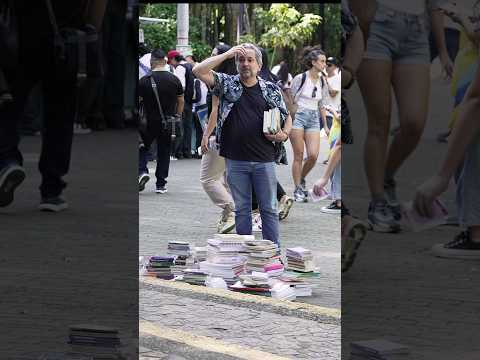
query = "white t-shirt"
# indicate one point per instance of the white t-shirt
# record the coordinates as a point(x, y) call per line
point(144, 63)
point(335, 83)
point(305, 99)
point(180, 72)
point(204, 90)
point(415, 7)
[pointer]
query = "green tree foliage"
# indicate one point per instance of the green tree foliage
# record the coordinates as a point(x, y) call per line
point(286, 27)
point(282, 29)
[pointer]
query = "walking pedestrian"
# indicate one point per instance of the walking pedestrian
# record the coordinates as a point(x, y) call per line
point(161, 95)
point(310, 91)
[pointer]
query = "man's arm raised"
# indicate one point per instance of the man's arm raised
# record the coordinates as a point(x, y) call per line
point(203, 70)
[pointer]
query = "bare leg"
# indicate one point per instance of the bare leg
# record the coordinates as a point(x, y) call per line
point(411, 84)
point(312, 140)
point(297, 140)
point(376, 92)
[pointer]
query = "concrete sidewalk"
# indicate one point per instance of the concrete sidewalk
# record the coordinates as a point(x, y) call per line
point(186, 213)
point(78, 266)
point(397, 289)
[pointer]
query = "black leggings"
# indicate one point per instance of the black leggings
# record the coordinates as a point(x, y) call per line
point(280, 193)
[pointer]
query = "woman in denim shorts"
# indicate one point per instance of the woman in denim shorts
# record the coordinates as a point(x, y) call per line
point(397, 56)
point(308, 89)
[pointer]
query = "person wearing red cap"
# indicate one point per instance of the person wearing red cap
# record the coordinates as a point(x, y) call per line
point(171, 55)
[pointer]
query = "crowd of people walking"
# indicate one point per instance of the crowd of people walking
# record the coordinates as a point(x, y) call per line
point(214, 110)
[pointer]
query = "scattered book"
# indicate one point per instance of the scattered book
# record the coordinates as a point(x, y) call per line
point(416, 222)
point(98, 342)
point(380, 349)
point(300, 259)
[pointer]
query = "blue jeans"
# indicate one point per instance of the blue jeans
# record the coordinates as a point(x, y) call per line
point(241, 176)
point(336, 182)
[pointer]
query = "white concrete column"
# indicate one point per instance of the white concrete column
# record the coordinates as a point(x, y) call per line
point(182, 30)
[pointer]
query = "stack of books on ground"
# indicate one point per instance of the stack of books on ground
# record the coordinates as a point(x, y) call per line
point(282, 291)
point(300, 259)
point(98, 342)
point(223, 258)
point(183, 256)
point(195, 276)
point(378, 349)
point(160, 267)
point(263, 256)
point(300, 286)
point(179, 248)
point(181, 264)
point(255, 283)
point(199, 253)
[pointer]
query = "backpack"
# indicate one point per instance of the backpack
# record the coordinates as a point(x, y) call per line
point(189, 79)
point(290, 99)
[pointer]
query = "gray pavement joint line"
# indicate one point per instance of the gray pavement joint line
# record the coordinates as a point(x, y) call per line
point(205, 343)
point(302, 310)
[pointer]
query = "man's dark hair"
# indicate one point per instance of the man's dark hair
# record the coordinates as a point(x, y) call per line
point(283, 72)
point(265, 72)
point(158, 54)
point(228, 66)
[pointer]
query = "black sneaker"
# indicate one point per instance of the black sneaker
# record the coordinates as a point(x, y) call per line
point(161, 189)
point(333, 208)
point(10, 177)
point(299, 195)
point(303, 186)
point(53, 204)
point(142, 180)
point(381, 218)
point(462, 247)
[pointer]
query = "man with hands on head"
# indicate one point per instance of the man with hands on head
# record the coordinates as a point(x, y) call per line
point(249, 152)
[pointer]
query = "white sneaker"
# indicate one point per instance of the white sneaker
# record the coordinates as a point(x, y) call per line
point(256, 223)
point(79, 129)
point(227, 224)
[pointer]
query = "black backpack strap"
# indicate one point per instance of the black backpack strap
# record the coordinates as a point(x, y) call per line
point(155, 92)
point(304, 78)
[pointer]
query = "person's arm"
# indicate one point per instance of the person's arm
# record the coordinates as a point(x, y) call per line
point(353, 56)
point(438, 29)
point(465, 131)
point(212, 122)
point(332, 163)
point(96, 12)
point(464, 21)
point(180, 105)
point(204, 70)
point(365, 11)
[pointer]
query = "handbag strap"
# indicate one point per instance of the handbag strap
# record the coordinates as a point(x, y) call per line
point(53, 20)
point(155, 91)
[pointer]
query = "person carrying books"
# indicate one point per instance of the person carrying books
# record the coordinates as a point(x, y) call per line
point(249, 152)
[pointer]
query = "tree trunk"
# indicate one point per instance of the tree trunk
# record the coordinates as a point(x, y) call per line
point(203, 22)
point(251, 20)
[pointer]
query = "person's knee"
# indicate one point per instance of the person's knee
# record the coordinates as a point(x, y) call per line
point(412, 129)
point(298, 156)
point(312, 158)
point(379, 123)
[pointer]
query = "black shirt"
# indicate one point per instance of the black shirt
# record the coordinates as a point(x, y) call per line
point(242, 133)
point(169, 88)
